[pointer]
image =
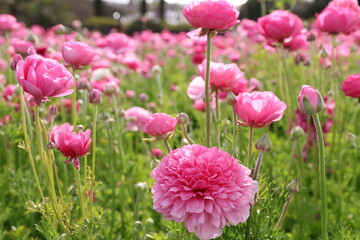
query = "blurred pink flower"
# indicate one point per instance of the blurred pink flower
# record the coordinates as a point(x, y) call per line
point(8, 93)
point(136, 118)
point(203, 187)
point(279, 25)
point(21, 46)
point(351, 86)
point(54, 135)
point(335, 20)
point(7, 22)
point(157, 153)
point(211, 14)
point(43, 78)
point(159, 124)
point(258, 109)
point(77, 53)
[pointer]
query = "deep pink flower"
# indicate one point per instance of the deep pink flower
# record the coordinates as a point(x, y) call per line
point(157, 153)
point(43, 78)
point(57, 129)
point(74, 145)
point(21, 46)
point(310, 100)
point(297, 42)
point(279, 25)
point(203, 187)
point(136, 118)
point(77, 53)
point(7, 22)
point(159, 124)
point(211, 14)
point(335, 20)
point(222, 76)
point(351, 86)
point(258, 109)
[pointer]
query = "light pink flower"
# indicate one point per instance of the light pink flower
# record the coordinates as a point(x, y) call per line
point(351, 86)
point(203, 187)
point(211, 14)
point(160, 124)
point(279, 25)
point(196, 88)
point(74, 145)
point(21, 46)
point(8, 92)
point(77, 53)
point(7, 22)
point(258, 109)
point(136, 118)
point(222, 76)
point(43, 78)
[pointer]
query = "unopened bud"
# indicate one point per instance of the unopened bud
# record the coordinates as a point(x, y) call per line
point(183, 118)
point(156, 70)
point(83, 84)
point(51, 145)
point(144, 97)
point(53, 111)
point(80, 127)
point(141, 185)
point(293, 186)
point(14, 61)
point(263, 144)
point(111, 88)
point(310, 100)
point(95, 96)
point(296, 133)
point(310, 37)
point(231, 99)
point(351, 138)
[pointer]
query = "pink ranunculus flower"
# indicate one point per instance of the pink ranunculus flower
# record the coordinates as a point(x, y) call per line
point(77, 53)
point(335, 20)
point(211, 14)
point(136, 118)
point(222, 76)
point(351, 86)
point(42, 78)
point(159, 124)
point(279, 25)
point(8, 92)
point(21, 46)
point(205, 188)
point(157, 153)
point(74, 145)
point(7, 22)
point(59, 128)
point(310, 100)
point(196, 88)
point(258, 109)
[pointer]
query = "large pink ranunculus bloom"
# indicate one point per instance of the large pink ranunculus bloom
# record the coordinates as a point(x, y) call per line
point(77, 53)
point(222, 76)
point(351, 86)
point(136, 118)
point(211, 14)
point(258, 109)
point(279, 25)
point(74, 145)
point(159, 124)
point(205, 188)
point(42, 78)
point(7, 22)
point(335, 20)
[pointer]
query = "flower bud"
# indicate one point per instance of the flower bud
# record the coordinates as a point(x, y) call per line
point(15, 61)
point(293, 186)
point(311, 37)
point(310, 100)
point(263, 144)
point(296, 133)
point(156, 70)
point(231, 99)
point(51, 145)
point(351, 138)
point(53, 111)
point(141, 185)
point(95, 96)
point(183, 118)
point(83, 84)
point(157, 153)
point(144, 97)
point(80, 127)
point(111, 88)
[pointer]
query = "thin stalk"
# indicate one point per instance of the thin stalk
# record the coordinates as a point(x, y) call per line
point(251, 135)
point(93, 154)
point(167, 145)
point(73, 102)
point(207, 89)
point(217, 115)
point(257, 166)
point(322, 177)
point(118, 128)
point(184, 131)
point(263, 7)
point(160, 95)
point(27, 143)
point(286, 77)
point(284, 211)
point(136, 214)
point(80, 192)
point(234, 133)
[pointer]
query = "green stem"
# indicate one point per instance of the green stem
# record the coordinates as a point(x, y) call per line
point(322, 177)
point(263, 7)
point(27, 143)
point(257, 167)
point(93, 154)
point(217, 116)
point(184, 131)
point(80, 192)
point(166, 143)
point(207, 89)
point(73, 103)
point(234, 133)
point(251, 135)
point(286, 78)
point(284, 211)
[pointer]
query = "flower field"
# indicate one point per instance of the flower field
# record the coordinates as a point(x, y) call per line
point(234, 130)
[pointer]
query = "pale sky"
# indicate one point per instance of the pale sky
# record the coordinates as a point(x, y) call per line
point(235, 2)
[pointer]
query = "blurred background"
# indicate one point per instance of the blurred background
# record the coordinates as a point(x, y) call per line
point(135, 15)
